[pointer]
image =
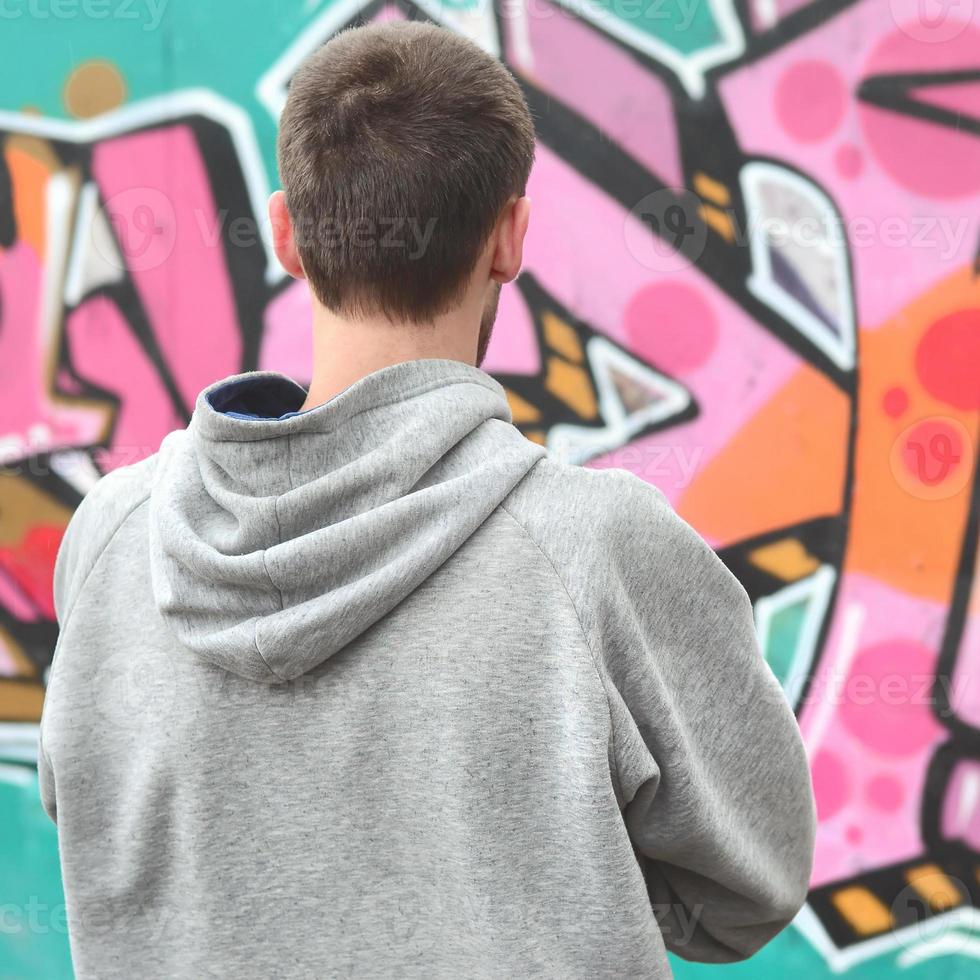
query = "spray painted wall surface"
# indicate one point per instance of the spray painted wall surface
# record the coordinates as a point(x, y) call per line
point(752, 279)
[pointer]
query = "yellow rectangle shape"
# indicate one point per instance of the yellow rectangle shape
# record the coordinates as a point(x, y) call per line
point(934, 886)
point(865, 913)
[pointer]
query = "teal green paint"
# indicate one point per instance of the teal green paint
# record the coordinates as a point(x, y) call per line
point(791, 957)
point(226, 45)
point(686, 26)
point(33, 936)
point(223, 46)
point(783, 638)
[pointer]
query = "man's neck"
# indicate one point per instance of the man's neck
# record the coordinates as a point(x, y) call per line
point(346, 350)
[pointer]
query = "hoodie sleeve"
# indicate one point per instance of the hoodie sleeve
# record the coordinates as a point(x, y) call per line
point(80, 545)
point(64, 584)
point(96, 519)
point(714, 779)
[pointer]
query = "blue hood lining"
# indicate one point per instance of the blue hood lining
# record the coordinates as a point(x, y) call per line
point(259, 398)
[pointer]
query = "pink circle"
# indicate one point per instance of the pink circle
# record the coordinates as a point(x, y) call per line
point(672, 326)
point(935, 160)
point(886, 702)
point(854, 834)
point(899, 53)
point(848, 161)
point(810, 98)
point(895, 402)
point(885, 793)
point(830, 784)
point(947, 359)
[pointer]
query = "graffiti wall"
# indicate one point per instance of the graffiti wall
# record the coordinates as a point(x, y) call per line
point(752, 278)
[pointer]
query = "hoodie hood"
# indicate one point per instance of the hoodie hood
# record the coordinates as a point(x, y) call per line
point(276, 542)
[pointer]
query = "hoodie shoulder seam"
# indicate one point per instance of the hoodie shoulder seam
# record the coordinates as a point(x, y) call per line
point(98, 557)
point(585, 635)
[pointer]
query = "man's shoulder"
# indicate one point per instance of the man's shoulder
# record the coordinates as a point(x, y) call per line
point(117, 493)
point(585, 511)
point(610, 525)
point(102, 511)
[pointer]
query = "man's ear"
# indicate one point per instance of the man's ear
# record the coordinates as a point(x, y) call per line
point(283, 239)
point(509, 249)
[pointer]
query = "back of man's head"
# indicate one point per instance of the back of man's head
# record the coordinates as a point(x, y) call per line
point(391, 132)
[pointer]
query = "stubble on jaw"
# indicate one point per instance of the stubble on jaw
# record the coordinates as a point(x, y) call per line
point(486, 324)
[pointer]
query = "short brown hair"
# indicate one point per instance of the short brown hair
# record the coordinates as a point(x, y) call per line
point(399, 123)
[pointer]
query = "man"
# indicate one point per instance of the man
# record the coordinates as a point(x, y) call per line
point(358, 681)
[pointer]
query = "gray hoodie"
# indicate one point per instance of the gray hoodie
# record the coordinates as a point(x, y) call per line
point(381, 689)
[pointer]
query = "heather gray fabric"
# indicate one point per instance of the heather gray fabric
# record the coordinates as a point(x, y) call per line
point(383, 690)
